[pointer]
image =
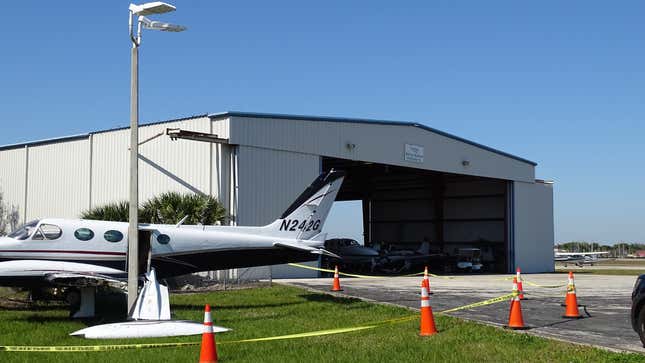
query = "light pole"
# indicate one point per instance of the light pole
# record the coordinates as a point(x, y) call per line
point(140, 11)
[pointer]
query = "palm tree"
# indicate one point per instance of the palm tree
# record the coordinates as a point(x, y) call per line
point(167, 208)
point(117, 212)
point(171, 207)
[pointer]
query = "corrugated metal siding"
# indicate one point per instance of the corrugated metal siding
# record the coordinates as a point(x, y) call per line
point(376, 143)
point(164, 165)
point(221, 159)
point(58, 180)
point(12, 177)
point(270, 180)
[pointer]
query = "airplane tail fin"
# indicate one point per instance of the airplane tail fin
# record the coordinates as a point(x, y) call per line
point(305, 217)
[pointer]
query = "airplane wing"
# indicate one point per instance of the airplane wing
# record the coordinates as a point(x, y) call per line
point(76, 279)
point(304, 248)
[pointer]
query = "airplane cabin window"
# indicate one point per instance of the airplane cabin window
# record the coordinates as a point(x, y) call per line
point(84, 234)
point(163, 239)
point(50, 231)
point(113, 236)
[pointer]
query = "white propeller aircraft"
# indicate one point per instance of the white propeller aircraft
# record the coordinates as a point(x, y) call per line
point(578, 258)
point(81, 255)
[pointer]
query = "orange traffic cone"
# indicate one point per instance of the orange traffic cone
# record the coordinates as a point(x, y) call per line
point(515, 319)
point(426, 280)
point(208, 353)
point(427, 319)
point(520, 288)
point(336, 286)
point(571, 301)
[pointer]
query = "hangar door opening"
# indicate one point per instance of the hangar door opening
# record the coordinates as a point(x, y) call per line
point(434, 218)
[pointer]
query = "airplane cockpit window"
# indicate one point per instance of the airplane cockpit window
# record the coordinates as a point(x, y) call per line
point(84, 234)
point(24, 231)
point(47, 232)
point(113, 236)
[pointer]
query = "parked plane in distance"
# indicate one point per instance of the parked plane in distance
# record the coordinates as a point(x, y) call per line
point(86, 253)
point(578, 258)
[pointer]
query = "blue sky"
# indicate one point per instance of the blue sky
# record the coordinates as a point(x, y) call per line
point(560, 83)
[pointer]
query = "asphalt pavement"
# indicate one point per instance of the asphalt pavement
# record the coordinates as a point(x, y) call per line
point(607, 300)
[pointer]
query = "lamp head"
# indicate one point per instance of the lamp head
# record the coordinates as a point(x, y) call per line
point(156, 7)
point(158, 25)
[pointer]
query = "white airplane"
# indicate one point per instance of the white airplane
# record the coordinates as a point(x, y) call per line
point(81, 255)
point(578, 258)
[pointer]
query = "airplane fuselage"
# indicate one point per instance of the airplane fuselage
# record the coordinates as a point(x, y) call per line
point(174, 250)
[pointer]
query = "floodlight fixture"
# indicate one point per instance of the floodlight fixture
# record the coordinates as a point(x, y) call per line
point(156, 7)
point(158, 25)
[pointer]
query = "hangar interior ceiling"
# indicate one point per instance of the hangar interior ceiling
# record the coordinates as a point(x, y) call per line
point(402, 207)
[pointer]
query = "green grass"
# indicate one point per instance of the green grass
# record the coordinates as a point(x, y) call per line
point(623, 262)
point(282, 310)
point(617, 272)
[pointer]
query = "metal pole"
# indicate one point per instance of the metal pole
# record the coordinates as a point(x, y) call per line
point(133, 230)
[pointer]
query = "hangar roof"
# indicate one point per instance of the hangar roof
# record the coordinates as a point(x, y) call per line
point(280, 116)
point(367, 121)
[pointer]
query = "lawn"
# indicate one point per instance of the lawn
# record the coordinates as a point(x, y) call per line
point(280, 310)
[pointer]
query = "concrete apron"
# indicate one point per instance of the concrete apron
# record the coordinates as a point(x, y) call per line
point(608, 301)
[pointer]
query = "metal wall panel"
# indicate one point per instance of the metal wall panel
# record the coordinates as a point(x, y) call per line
point(58, 175)
point(269, 181)
point(534, 232)
point(164, 165)
point(376, 143)
point(12, 178)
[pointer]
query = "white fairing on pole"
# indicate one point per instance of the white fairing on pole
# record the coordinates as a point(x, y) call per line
point(153, 302)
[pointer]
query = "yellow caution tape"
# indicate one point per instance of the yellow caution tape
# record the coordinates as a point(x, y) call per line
point(103, 348)
point(91, 348)
point(332, 271)
point(544, 286)
point(477, 304)
point(365, 276)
